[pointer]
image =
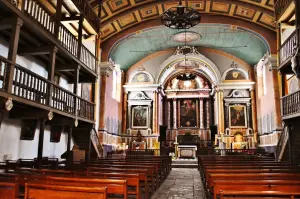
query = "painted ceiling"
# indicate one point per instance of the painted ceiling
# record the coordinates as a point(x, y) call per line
point(119, 15)
point(239, 42)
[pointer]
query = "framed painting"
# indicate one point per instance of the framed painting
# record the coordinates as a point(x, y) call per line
point(56, 133)
point(237, 116)
point(28, 129)
point(188, 113)
point(140, 117)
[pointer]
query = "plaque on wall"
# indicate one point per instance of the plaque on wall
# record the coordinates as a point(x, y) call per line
point(140, 117)
point(55, 133)
point(188, 113)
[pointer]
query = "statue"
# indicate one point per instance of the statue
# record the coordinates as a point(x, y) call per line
point(139, 136)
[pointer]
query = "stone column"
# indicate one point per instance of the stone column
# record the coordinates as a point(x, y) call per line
point(207, 105)
point(249, 125)
point(174, 114)
point(102, 100)
point(169, 114)
point(221, 111)
point(124, 115)
point(201, 111)
point(253, 111)
point(226, 115)
point(154, 115)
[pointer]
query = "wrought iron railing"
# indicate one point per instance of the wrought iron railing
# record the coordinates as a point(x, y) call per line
point(280, 7)
point(290, 104)
point(288, 48)
point(30, 86)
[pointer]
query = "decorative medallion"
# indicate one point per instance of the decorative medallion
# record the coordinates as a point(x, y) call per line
point(76, 122)
point(50, 115)
point(9, 104)
point(186, 37)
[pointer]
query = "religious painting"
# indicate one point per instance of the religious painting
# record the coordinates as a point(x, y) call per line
point(28, 129)
point(86, 90)
point(237, 116)
point(188, 113)
point(235, 75)
point(140, 117)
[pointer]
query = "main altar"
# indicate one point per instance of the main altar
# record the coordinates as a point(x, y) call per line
point(186, 146)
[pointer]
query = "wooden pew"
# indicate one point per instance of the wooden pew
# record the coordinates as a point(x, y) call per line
point(114, 186)
point(255, 185)
point(142, 172)
point(133, 180)
point(262, 194)
point(39, 190)
point(8, 189)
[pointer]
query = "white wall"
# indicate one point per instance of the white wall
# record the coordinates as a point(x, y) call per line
point(10, 129)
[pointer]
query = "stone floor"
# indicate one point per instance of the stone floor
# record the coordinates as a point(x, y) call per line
point(182, 183)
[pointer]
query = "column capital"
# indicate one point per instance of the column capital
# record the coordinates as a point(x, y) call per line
point(106, 68)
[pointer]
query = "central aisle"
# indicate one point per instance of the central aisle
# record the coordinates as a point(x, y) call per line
point(182, 183)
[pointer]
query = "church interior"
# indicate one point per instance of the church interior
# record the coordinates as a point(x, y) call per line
point(149, 99)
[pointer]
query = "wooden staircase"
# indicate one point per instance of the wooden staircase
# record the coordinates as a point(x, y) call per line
point(82, 138)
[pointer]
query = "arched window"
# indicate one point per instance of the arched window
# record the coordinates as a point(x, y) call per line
point(116, 90)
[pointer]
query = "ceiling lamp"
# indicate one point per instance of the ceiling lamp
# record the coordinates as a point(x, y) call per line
point(186, 77)
point(181, 17)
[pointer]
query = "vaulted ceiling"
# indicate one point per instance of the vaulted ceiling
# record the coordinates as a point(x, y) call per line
point(121, 18)
point(242, 43)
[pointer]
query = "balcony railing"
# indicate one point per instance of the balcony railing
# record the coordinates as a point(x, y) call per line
point(290, 104)
point(88, 12)
point(30, 86)
point(288, 48)
point(34, 10)
point(280, 7)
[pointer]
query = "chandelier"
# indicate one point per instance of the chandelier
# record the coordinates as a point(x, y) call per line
point(181, 17)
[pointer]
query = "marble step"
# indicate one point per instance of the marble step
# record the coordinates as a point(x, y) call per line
point(184, 166)
point(184, 162)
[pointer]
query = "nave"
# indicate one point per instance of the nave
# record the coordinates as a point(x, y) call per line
point(182, 183)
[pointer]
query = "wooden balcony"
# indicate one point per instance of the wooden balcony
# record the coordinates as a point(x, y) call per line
point(288, 48)
point(58, 33)
point(281, 6)
point(32, 89)
point(290, 105)
point(85, 8)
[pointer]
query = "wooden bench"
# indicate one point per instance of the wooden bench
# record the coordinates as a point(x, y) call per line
point(39, 190)
point(254, 185)
point(8, 189)
point(114, 186)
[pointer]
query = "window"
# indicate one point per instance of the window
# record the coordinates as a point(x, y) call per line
point(264, 81)
point(116, 90)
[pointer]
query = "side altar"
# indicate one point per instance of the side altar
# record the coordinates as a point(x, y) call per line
point(186, 146)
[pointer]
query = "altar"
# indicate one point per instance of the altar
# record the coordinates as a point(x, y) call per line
point(186, 151)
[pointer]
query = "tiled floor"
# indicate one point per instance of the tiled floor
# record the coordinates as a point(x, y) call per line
point(182, 183)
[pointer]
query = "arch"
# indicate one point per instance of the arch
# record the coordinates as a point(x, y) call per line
point(231, 69)
point(206, 67)
point(131, 77)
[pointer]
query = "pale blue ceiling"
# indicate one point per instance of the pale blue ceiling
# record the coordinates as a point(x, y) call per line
point(241, 43)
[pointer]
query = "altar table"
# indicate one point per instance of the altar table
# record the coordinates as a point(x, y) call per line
point(186, 151)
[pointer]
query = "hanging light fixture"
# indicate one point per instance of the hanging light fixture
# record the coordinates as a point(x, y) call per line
point(181, 17)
